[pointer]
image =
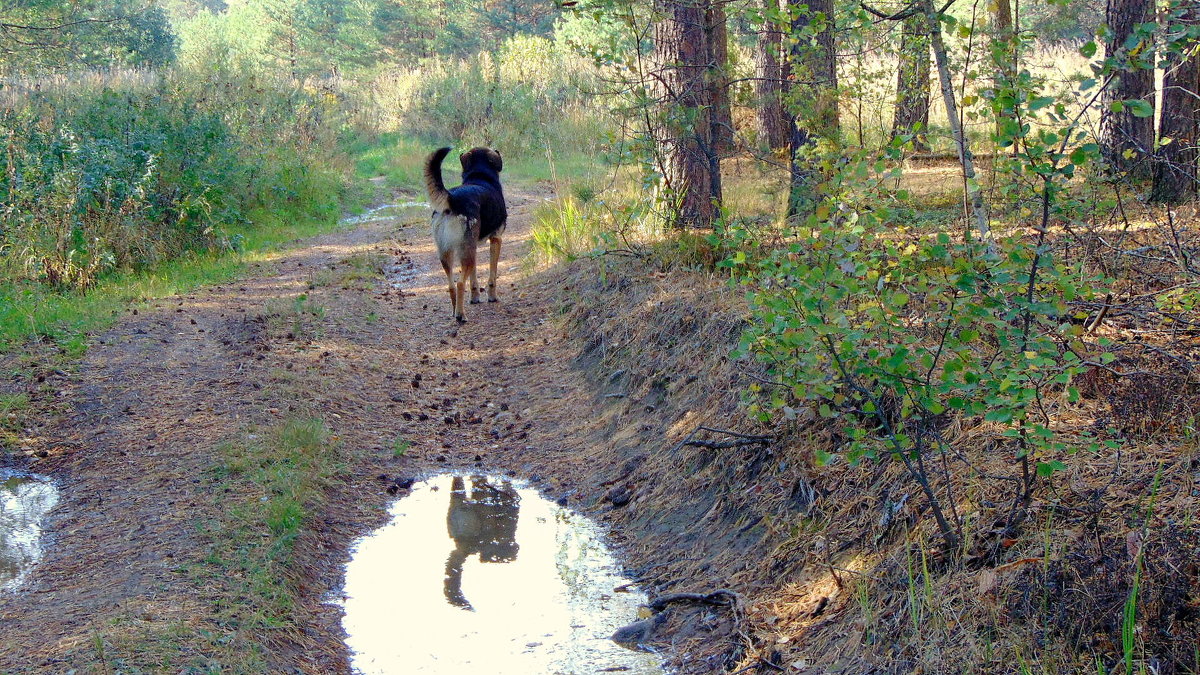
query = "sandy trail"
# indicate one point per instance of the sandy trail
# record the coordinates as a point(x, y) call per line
point(157, 393)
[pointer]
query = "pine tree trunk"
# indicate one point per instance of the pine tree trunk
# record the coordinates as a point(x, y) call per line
point(912, 81)
point(812, 69)
point(1128, 139)
point(771, 122)
point(683, 56)
point(1175, 162)
point(717, 34)
point(1003, 46)
point(810, 92)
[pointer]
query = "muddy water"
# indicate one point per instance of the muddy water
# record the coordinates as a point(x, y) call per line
point(24, 501)
point(477, 575)
point(381, 213)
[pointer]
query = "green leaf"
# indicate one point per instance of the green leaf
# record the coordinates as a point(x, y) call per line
point(1088, 50)
point(1041, 102)
point(1140, 108)
point(1047, 469)
point(1002, 415)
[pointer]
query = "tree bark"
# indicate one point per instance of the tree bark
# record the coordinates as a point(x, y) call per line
point(1175, 161)
point(811, 82)
point(974, 193)
point(1003, 47)
point(717, 37)
point(912, 80)
point(1128, 139)
point(683, 57)
point(771, 123)
point(810, 91)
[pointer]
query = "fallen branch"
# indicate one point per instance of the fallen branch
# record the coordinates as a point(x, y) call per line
point(740, 440)
point(723, 445)
point(720, 598)
point(735, 434)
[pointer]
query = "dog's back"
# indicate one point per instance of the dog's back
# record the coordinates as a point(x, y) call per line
point(480, 197)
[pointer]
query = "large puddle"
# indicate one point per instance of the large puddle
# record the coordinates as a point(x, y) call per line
point(24, 502)
point(476, 574)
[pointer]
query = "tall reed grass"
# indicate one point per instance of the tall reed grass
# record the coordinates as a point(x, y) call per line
point(527, 98)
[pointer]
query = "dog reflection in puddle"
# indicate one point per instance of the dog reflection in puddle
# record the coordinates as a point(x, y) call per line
point(482, 520)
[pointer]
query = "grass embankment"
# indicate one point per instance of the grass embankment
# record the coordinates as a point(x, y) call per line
point(31, 311)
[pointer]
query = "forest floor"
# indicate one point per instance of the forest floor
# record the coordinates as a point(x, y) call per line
point(138, 435)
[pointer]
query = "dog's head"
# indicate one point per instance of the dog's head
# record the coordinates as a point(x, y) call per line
point(481, 157)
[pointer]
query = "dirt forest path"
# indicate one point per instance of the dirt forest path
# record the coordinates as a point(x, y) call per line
point(145, 411)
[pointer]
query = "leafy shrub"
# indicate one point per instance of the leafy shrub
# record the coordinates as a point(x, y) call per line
point(103, 178)
point(891, 332)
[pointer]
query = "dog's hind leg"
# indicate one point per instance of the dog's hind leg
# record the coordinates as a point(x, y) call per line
point(495, 259)
point(448, 267)
point(466, 275)
point(474, 286)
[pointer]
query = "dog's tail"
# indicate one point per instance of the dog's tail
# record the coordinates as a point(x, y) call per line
point(439, 197)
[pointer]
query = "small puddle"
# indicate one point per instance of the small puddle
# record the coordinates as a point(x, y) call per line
point(478, 574)
point(24, 501)
point(380, 213)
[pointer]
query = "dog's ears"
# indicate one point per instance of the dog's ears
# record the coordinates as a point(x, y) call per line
point(494, 159)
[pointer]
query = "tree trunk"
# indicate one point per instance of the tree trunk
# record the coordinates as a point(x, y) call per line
point(1175, 162)
point(717, 37)
point(771, 122)
point(974, 193)
point(912, 81)
point(1003, 46)
point(683, 57)
point(810, 91)
point(1128, 139)
point(811, 82)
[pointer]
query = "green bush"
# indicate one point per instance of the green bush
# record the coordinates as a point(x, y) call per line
point(103, 176)
point(890, 333)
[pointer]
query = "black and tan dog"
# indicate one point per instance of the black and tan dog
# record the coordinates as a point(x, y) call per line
point(464, 217)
